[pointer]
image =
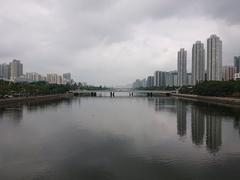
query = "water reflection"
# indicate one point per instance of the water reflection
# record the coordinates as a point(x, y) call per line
point(163, 104)
point(181, 118)
point(45, 105)
point(119, 138)
point(203, 116)
point(236, 124)
point(198, 125)
point(13, 114)
point(214, 132)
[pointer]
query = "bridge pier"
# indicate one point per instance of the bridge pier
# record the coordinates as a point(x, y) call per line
point(93, 94)
point(130, 93)
point(149, 94)
point(112, 94)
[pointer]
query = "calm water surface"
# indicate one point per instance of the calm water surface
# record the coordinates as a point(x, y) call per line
point(119, 138)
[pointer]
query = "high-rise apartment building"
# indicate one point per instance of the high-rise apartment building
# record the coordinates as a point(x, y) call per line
point(198, 62)
point(237, 63)
point(214, 58)
point(182, 67)
point(150, 81)
point(159, 79)
point(168, 79)
point(4, 71)
point(16, 69)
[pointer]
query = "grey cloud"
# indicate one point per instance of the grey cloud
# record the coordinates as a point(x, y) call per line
point(63, 35)
point(227, 10)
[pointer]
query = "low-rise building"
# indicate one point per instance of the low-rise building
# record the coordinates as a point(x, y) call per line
point(237, 76)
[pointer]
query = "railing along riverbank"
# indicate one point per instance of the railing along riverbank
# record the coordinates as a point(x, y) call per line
point(210, 99)
point(35, 98)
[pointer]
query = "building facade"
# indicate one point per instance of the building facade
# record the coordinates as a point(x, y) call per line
point(174, 78)
point(33, 76)
point(150, 81)
point(4, 71)
point(214, 58)
point(182, 67)
point(237, 63)
point(198, 62)
point(16, 69)
point(67, 76)
point(189, 79)
point(52, 78)
point(160, 79)
point(228, 73)
point(237, 76)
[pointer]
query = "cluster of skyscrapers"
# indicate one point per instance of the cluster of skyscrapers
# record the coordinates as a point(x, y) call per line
point(212, 70)
point(14, 72)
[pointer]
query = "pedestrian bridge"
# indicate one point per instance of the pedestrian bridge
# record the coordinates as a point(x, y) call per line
point(122, 92)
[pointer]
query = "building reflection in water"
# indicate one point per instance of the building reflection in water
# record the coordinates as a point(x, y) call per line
point(165, 104)
point(198, 125)
point(181, 118)
point(206, 120)
point(236, 124)
point(214, 132)
point(15, 114)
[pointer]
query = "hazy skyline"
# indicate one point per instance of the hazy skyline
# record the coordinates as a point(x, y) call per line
point(113, 42)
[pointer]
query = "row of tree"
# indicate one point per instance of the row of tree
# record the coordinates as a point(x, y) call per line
point(214, 88)
point(39, 88)
point(31, 89)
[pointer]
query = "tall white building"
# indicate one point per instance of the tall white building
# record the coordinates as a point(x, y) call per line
point(16, 69)
point(214, 58)
point(198, 63)
point(182, 67)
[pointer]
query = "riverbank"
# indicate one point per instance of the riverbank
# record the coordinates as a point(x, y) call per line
point(210, 99)
point(35, 98)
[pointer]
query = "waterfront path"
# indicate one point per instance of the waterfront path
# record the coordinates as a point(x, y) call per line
point(211, 99)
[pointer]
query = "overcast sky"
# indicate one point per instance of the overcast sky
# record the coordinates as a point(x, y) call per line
point(112, 42)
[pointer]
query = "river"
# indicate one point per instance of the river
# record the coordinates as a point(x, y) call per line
point(121, 138)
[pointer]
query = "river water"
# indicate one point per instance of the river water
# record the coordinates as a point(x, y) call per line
point(121, 138)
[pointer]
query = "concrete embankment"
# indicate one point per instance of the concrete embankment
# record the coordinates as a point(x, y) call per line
point(34, 98)
point(210, 99)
